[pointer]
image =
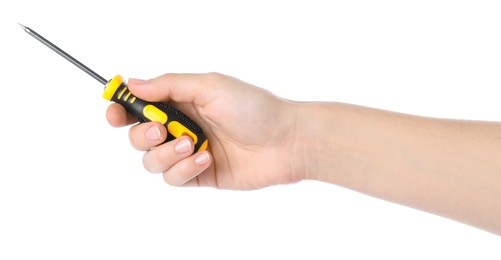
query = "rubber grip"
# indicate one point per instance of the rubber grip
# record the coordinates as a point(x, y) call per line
point(177, 123)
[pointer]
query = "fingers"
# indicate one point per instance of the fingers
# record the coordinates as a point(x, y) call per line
point(174, 159)
point(147, 135)
point(117, 116)
point(161, 158)
point(193, 88)
point(188, 169)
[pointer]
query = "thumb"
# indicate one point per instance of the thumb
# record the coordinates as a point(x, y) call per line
point(191, 88)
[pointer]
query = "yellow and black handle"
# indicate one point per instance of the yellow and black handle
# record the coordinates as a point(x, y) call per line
point(177, 123)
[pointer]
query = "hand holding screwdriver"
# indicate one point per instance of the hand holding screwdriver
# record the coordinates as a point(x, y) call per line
point(251, 132)
point(221, 113)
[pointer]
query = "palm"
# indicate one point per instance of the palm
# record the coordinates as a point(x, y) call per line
point(248, 133)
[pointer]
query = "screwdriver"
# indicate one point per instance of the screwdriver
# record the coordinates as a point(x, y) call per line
point(116, 90)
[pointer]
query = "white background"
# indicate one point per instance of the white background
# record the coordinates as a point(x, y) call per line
point(71, 187)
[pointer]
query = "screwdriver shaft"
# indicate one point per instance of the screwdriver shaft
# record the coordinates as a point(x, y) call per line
point(64, 54)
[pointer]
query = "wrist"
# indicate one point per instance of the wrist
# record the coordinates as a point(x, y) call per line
point(313, 141)
point(333, 139)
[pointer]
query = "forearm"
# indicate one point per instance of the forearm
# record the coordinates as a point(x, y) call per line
point(450, 168)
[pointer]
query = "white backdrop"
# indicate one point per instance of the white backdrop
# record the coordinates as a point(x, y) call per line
point(71, 187)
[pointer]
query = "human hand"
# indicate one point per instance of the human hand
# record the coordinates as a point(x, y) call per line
point(251, 132)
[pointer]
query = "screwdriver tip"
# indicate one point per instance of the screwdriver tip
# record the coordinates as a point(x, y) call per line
point(22, 26)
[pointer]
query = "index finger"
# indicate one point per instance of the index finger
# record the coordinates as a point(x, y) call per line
point(190, 88)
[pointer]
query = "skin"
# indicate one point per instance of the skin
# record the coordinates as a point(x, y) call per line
point(256, 139)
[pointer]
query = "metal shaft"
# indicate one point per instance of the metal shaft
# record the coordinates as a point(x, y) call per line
point(64, 54)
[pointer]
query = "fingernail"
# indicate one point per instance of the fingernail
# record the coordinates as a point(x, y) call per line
point(136, 81)
point(153, 133)
point(183, 146)
point(202, 158)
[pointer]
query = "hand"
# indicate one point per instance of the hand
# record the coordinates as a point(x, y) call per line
point(251, 132)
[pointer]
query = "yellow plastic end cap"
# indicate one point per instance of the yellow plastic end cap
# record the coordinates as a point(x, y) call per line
point(112, 87)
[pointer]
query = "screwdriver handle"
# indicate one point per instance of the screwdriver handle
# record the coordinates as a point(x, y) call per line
point(177, 123)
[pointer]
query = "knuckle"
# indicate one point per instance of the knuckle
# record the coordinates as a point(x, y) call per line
point(114, 117)
point(152, 161)
point(171, 180)
point(168, 77)
point(146, 163)
point(157, 160)
point(214, 78)
point(134, 138)
point(161, 154)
